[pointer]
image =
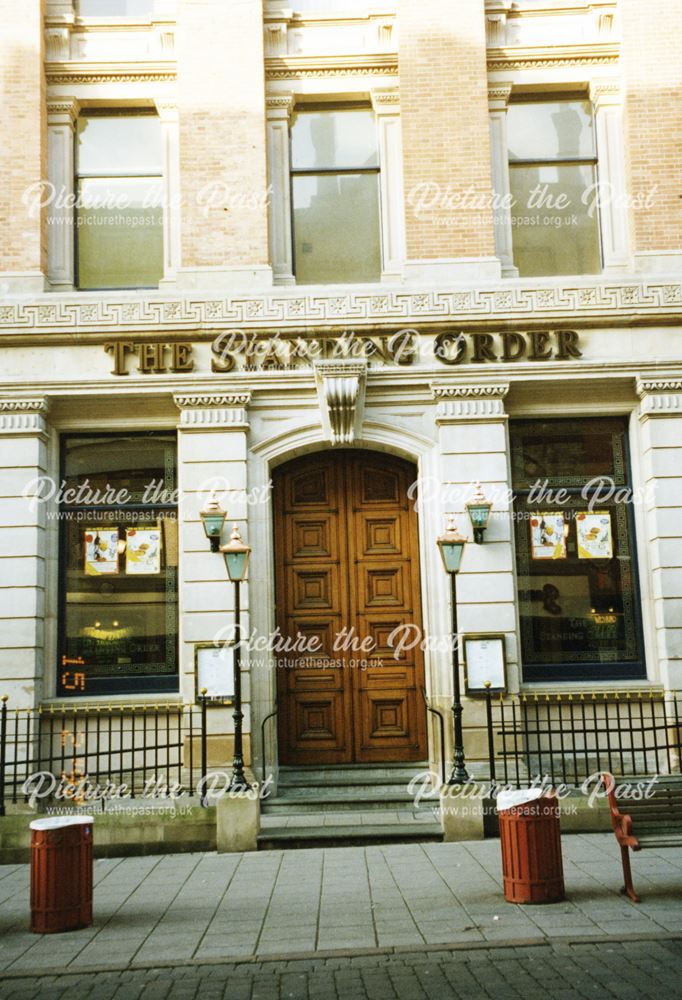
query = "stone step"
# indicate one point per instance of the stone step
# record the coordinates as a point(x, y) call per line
point(324, 803)
point(297, 832)
point(349, 775)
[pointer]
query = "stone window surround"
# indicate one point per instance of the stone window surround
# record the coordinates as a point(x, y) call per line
point(607, 100)
point(385, 103)
point(62, 116)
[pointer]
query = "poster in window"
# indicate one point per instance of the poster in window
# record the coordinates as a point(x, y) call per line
point(143, 551)
point(101, 551)
point(595, 537)
point(548, 536)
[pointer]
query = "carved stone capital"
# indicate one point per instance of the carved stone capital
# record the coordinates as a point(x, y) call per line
point(496, 22)
point(167, 110)
point(276, 36)
point(498, 96)
point(469, 402)
point(341, 391)
point(660, 397)
point(58, 43)
point(213, 411)
point(279, 106)
point(65, 111)
point(386, 101)
point(24, 415)
point(606, 92)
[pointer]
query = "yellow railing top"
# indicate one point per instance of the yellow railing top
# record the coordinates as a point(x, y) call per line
point(571, 696)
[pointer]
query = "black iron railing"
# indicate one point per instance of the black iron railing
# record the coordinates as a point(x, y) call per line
point(566, 737)
point(101, 754)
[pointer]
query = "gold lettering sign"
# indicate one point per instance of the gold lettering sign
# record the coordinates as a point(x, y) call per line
point(237, 350)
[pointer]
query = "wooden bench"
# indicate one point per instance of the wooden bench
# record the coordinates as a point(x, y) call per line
point(649, 822)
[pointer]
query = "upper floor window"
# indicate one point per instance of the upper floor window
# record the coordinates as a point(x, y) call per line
point(119, 218)
point(335, 194)
point(115, 8)
point(553, 176)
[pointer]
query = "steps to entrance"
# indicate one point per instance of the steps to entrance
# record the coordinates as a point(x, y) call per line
point(347, 805)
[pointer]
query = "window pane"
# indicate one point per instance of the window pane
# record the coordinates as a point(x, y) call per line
point(119, 144)
point(551, 130)
point(141, 465)
point(120, 582)
point(334, 139)
point(578, 596)
point(558, 234)
point(336, 228)
point(120, 247)
point(568, 454)
point(115, 8)
point(118, 567)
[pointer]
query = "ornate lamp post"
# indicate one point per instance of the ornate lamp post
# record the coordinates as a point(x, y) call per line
point(451, 545)
point(236, 555)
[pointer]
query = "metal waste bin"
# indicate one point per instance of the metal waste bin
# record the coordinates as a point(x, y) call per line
point(61, 874)
point(530, 836)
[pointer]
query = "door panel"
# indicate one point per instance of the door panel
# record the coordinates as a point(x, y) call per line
point(347, 558)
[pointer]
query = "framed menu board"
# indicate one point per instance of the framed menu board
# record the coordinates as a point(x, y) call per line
point(484, 660)
point(214, 670)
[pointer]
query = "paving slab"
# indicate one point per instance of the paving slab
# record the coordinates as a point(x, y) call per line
point(208, 907)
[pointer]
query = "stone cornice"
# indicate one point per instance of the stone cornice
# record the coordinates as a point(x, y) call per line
point(546, 57)
point(79, 72)
point(615, 302)
point(305, 67)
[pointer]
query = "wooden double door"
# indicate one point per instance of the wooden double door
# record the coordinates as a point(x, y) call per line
point(347, 582)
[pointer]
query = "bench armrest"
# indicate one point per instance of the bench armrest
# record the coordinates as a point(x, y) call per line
point(621, 822)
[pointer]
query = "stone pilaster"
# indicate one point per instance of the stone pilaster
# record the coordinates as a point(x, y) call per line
point(386, 104)
point(212, 455)
point(61, 123)
point(279, 108)
point(498, 103)
point(172, 196)
point(607, 98)
point(472, 430)
point(472, 433)
point(23, 555)
point(660, 415)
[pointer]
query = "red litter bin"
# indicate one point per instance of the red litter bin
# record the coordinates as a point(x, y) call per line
point(530, 835)
point(61, 874)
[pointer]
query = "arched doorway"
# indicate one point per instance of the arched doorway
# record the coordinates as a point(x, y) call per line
point(347, 576)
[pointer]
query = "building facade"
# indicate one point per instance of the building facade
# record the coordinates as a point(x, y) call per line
point(339, 262)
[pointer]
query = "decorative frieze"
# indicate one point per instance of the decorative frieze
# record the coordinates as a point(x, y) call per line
point(579, 301)
point(467, 401)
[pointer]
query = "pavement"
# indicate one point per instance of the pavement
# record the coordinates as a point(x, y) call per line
point(268, 924)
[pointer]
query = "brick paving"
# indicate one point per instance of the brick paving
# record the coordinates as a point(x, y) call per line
point(623, 970)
